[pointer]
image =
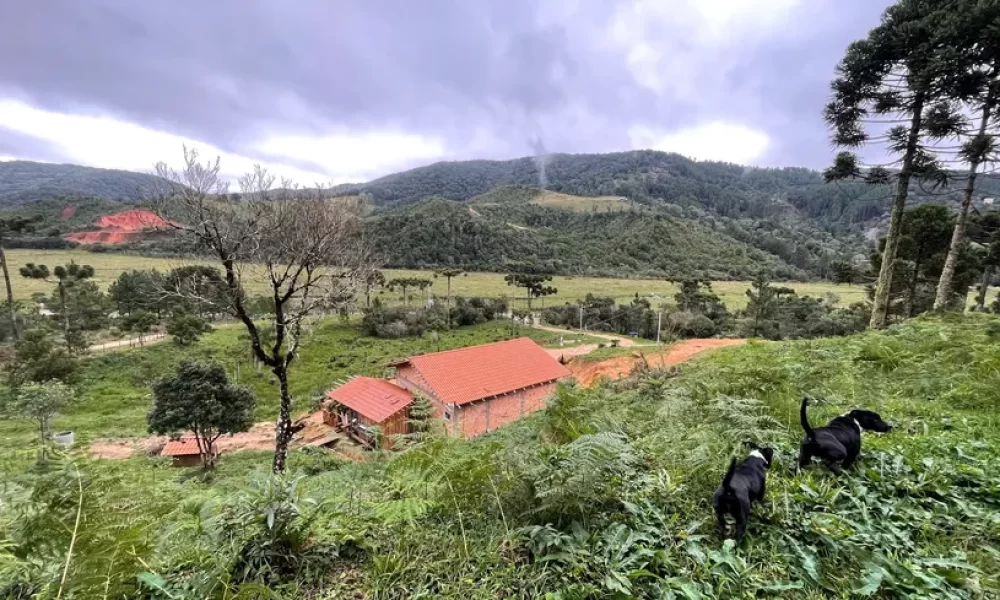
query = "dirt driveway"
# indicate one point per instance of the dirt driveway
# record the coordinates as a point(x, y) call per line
point(587, 372)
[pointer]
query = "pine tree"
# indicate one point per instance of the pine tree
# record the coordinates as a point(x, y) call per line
point(978, 29)
point(901, 73)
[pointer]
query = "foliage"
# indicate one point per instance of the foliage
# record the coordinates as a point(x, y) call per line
point(38, 359)
point(186, 327)
point(200, 399)
point(534, 284)
point(25, 182)
point(384, 321)
point(604, 494)
point(38, 402)
point(924, 241)
point(140, 322)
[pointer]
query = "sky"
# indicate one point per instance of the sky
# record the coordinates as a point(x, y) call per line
point(333, 91)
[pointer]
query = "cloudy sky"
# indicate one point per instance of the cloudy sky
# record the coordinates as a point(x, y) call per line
point(348, 90)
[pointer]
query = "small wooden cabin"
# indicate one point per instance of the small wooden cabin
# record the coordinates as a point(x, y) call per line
point(184, 452)
point(366, 402)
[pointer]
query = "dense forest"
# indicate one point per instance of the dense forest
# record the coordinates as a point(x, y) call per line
point(664, 215)
point(438, 232)
point(23, 182)
point(653, 177)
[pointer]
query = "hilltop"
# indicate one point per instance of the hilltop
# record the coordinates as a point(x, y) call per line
point(24, 182)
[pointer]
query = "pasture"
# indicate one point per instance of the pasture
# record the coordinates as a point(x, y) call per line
point(570, 288)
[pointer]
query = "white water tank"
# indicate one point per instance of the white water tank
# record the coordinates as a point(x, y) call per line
point(63, 438)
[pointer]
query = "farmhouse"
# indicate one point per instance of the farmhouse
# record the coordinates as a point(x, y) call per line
point(474, 390)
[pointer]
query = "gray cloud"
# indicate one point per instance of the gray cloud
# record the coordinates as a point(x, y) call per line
point(492, 79)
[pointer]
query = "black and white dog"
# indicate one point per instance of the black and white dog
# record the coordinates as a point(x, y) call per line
point(839, 443)
point(743, 485)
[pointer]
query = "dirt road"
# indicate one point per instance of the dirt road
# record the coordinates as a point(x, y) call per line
point(129, 343)
point(587, 372)
point(623, 341)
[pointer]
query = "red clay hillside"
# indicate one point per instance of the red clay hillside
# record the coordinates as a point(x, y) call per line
point(120, 228)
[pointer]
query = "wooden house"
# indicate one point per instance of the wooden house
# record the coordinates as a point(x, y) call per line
point(366, 402)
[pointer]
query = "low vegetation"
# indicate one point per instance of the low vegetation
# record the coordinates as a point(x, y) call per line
point(604, 494)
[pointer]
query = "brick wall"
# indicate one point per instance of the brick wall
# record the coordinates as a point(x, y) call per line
point(488, 415)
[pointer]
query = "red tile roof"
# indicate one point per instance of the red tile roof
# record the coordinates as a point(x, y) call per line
point(186, 446)
point(469, 374)
point(376, 399)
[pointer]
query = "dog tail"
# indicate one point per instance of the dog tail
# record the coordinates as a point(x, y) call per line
point(804, 419)
point(728, 479)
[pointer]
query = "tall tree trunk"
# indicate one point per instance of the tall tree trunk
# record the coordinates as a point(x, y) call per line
point(283, 428)
point(10, 295)
point(941, 299)
point(984, 288)
point(911, 292)
point(880, 309)
point(62, 304)
point(449, 303)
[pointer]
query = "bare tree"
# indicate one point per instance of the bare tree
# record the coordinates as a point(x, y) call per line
point(304, 248)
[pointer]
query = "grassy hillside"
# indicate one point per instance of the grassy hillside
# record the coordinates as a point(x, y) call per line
point(109, 266)
point(509, 194)
point(23, 182)
point(603, 495)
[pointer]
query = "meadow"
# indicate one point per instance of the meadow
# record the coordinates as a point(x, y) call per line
point(114, 386)
point(603, 495)
point(109, 265)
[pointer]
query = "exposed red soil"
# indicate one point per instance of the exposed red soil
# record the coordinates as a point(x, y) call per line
point(119, 227)
point(259, 437)
point(587, 372)
point(68, 212)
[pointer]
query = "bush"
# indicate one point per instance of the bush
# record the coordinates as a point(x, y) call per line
point(689, 324)
point(404, 321)
point(186, 327)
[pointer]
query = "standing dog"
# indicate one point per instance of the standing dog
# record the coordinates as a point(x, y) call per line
point(742, 486)
point(839, 443)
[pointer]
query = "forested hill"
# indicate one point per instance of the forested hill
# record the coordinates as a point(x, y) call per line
point(490, 235)
point(23, 182)
point(659, 178)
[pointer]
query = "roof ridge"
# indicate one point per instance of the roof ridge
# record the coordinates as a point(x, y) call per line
point(496, 343)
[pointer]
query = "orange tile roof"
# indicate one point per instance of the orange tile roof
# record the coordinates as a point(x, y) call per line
point(376, 399)
point(468, 374)
point(186, 446)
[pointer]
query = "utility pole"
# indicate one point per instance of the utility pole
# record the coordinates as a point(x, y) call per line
point(659, 324)
point(581, 317)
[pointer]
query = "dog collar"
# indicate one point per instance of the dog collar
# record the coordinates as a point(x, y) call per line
point(757, 454)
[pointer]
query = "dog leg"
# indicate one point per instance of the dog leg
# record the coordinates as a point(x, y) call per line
point(805, 457)
point(741, 521)
point(721, 518)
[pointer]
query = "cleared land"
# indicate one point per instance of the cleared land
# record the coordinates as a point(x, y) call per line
point(108, 266)
point(582, 203)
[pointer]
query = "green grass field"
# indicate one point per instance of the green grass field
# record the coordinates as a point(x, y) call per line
point(114, 386)
point(606, 494)
point(581, 203)
point(108, 266)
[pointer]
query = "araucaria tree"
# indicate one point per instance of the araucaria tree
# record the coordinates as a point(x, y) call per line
point(449, 274)
point(11, 226)
point(76, 298)
point(976, 26)
point(303, 247)
point(534, 284)
point(406, 283)
point(901, 75)
point(200, 399)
